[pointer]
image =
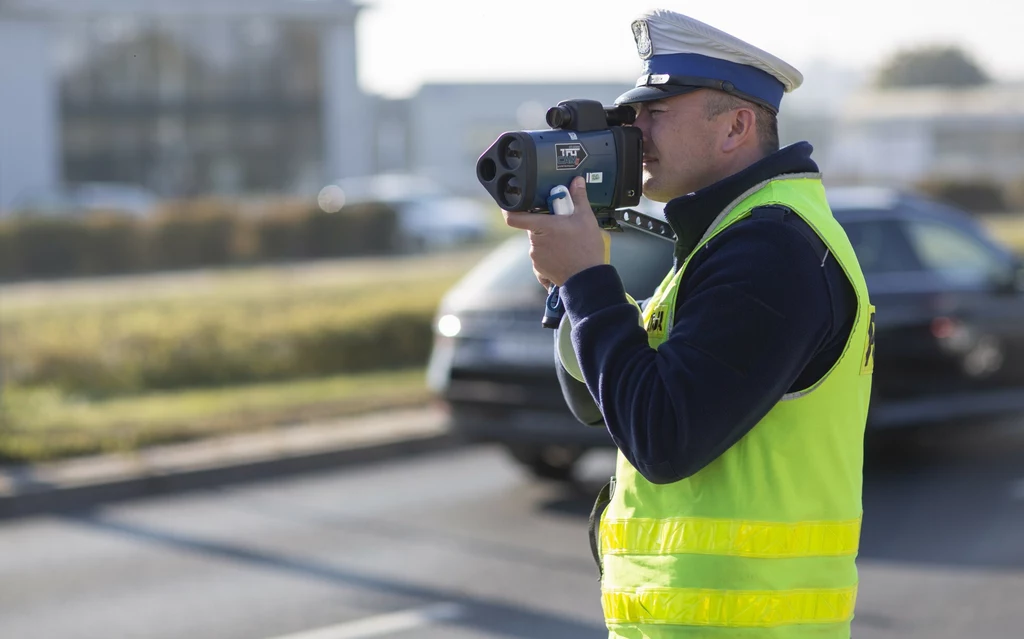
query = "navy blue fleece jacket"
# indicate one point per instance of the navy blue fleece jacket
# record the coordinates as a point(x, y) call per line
point(763, 310)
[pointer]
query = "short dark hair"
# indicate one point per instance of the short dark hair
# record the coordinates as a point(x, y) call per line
point(767, 122)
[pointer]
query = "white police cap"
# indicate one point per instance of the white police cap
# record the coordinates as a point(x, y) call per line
point(681, 55)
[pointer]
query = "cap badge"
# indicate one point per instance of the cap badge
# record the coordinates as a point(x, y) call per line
point(643, 39)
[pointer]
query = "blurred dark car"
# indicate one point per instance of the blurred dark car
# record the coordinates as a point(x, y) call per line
point(493, 363)
point(949, 329)
point(950, 309)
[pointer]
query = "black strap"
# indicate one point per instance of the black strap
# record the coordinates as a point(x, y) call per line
point(604, 497)
point(784, 214)
point(775, 212)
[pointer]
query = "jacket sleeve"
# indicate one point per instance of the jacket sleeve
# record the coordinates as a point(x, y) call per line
point(755, 308)
point(576, 394)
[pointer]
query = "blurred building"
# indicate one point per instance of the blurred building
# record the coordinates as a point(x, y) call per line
point(442, 130)
point(182, 96)
point(447, 126)
point(899, 137)
point(817, 128)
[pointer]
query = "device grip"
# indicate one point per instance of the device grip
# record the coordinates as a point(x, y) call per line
point(553, 309)
point(559, 203)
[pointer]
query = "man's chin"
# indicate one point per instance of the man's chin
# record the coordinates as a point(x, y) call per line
point(653, 191)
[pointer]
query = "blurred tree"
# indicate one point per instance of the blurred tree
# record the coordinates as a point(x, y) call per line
point(1015, 194)
point(976, 196)
point(931, 66)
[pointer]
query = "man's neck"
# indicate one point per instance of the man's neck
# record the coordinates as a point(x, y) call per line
point(736, 162)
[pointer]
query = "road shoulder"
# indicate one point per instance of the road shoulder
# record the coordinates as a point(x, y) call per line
point(82, 482)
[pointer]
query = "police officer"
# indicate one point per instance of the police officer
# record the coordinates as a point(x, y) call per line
point(737, 396)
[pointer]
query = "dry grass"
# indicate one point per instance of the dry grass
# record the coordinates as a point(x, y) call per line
point(42, 423)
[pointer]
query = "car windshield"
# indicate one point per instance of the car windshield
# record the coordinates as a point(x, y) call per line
point(959, 258)
point(881, 246)
point(642, 261)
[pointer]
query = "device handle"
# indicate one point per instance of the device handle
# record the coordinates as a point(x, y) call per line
point(559, 203)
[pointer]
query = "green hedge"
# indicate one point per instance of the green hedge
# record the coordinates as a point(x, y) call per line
point(235, 326)
point(360, 230)
point(205, 343)
point(189, 235)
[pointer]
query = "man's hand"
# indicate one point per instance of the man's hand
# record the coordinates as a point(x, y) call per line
point(563, 245)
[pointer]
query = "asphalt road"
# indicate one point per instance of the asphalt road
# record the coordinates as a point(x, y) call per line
point(461, 545)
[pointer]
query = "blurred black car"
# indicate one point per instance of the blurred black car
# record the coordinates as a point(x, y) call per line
point(949, 329)
point(493, 363)
point(950, 309)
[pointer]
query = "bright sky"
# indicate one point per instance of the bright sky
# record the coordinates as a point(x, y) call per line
point(404, 43)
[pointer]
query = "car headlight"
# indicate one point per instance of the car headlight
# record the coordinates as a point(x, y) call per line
point(449, 325)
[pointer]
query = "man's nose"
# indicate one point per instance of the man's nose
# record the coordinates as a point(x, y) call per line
point(642, 122)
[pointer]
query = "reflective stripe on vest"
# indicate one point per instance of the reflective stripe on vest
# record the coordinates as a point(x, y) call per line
point(738, 608)
point(731, 537)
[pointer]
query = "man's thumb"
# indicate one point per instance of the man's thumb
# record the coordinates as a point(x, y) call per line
point(578, 192)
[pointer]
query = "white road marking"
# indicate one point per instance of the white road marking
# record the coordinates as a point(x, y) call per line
point(383, 624)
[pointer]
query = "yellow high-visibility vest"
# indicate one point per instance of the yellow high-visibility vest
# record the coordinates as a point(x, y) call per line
point(761, 543)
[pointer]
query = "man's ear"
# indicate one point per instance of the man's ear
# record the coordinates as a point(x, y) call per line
point(743, 128)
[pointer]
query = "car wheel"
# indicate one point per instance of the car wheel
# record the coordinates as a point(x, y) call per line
point(547, 462)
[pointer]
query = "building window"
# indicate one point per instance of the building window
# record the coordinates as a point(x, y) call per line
point(187, 106)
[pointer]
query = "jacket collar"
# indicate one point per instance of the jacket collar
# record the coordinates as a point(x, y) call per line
point(691, 215)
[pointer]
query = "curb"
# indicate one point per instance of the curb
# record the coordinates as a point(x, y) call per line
point(86, 482)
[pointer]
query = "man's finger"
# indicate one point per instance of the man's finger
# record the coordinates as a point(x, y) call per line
point(526, 221)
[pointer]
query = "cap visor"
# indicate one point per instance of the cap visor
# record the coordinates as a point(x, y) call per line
point(652, 92)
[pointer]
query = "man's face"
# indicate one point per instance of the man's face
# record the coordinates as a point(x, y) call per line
point(679, 146)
